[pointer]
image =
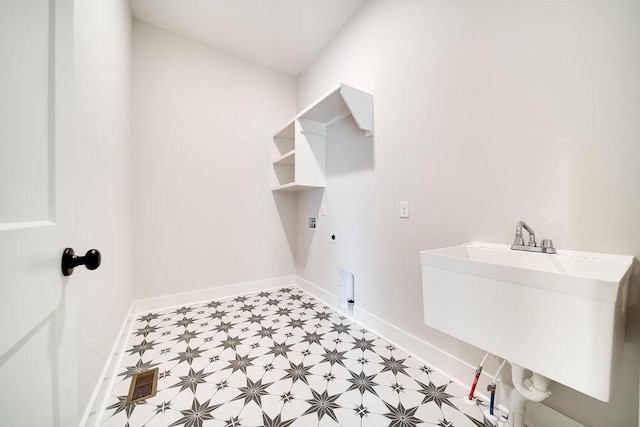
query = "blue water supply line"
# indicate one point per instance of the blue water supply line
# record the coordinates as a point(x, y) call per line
point(492, 388)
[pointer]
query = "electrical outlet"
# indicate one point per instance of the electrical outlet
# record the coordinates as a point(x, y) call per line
point(323, 209)
point(333, 237)
point(312, 222)
point(404, 209)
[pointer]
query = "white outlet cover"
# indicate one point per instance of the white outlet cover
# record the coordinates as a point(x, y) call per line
point(404, 209)
point(333, 237)
point(323, 209)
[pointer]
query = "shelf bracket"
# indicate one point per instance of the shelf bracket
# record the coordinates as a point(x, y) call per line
point(361, 106)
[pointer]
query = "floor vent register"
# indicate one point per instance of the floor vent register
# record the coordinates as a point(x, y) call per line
point(143, 386)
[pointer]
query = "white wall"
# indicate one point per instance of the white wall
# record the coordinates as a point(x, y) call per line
point(104, 214)
point(486, 113)
point(202, 121)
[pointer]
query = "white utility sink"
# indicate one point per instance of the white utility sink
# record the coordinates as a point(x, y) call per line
point(560, 315)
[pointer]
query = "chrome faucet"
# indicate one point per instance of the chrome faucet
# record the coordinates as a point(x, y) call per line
point(518, 243)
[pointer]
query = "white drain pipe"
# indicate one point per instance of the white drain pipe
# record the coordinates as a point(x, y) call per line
point(534, 389)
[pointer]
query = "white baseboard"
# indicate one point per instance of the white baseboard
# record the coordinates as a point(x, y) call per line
point(318, 292)
point(538, 415)
point(97, 403)
point(193, 297)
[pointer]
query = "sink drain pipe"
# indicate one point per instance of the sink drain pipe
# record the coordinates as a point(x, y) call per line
point(534, 389)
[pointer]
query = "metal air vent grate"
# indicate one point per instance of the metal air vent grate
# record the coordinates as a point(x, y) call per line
point(143, 385)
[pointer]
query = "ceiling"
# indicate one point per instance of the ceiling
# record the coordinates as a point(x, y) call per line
point(281, 34)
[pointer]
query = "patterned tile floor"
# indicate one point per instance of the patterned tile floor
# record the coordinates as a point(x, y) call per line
point(278, 358)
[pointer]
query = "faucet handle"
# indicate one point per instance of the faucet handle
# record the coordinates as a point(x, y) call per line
point(532, 240)
point(547, 243)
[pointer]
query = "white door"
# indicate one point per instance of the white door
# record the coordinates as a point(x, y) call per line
point(37, 384)
point(35, 157)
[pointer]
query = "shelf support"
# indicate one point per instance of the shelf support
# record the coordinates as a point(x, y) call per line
point(361, 106)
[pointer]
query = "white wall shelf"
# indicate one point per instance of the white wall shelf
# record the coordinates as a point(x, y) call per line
point(286, 159)
point(298, 149)
point(340, 102)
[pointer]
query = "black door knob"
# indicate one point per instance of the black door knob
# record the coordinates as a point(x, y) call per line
point(70, 260)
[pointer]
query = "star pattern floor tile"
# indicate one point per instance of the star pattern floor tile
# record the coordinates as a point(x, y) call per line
point(278, 358)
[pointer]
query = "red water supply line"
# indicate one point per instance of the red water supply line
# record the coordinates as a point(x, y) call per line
point(477, 377)
point(475, 382)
